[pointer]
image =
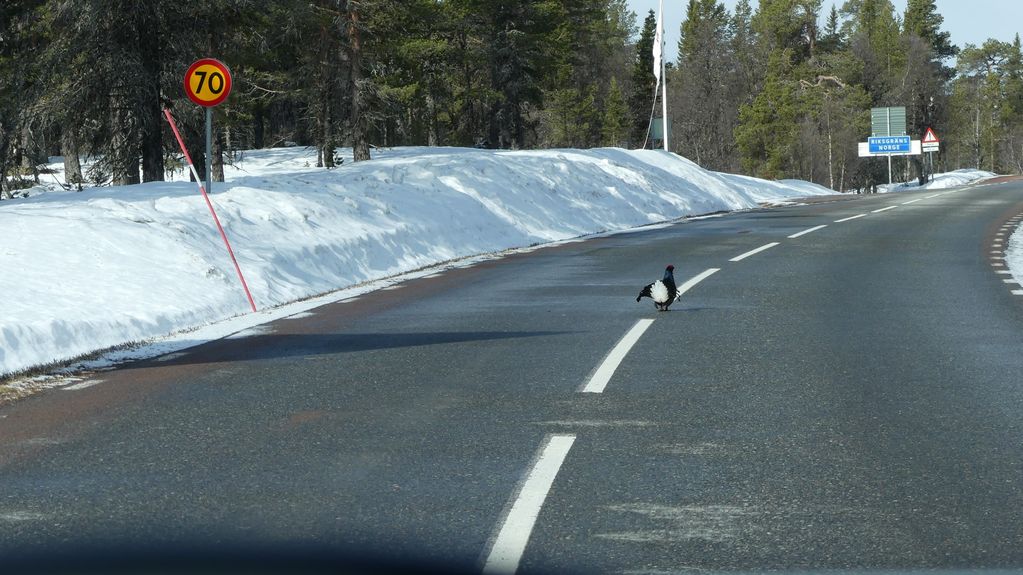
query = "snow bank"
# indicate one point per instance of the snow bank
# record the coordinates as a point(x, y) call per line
point(99, 268)
point(943, 181)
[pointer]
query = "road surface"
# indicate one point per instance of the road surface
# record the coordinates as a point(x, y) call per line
point(839, 388)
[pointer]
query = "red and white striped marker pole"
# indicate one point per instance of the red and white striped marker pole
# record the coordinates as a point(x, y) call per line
point(198, 180)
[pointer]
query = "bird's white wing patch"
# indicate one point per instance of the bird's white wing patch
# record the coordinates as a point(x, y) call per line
point(659, 292)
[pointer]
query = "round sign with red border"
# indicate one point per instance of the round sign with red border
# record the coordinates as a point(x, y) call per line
point(208, 82)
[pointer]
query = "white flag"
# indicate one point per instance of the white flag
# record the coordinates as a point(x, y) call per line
point(658, 40)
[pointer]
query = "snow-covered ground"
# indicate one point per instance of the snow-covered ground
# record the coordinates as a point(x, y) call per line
point(942, 181)
point(91, 270)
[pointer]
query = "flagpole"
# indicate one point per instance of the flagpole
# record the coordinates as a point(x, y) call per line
point(664, 83)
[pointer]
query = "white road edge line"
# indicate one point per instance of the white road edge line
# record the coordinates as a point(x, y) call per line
point(512, 538)
point(598, 381)
point(884, 209)
point(83, 385)
point(171, 356)
point(809, 231)
point(754, 252)
point(850, 218)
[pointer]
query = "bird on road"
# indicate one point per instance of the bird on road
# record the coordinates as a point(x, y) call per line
point(662, 291)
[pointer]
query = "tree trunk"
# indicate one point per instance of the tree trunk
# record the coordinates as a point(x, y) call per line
point(28, 164)
point(432, 137)
point(124, 163)
point(831, 156)
point(72, 164)
point(976, 138)
point(151, 138)
point(195, 140)
point(327, 114)
point(360, 144)
point(258, 127)
point(218, 156)
point(5, 191)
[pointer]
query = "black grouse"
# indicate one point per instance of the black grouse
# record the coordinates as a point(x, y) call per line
point(662, 291)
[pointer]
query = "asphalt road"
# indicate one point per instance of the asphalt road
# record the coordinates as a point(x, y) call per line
point(848, 399)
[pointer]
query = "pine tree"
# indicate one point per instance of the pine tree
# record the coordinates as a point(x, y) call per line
point(1012, 108)
point(614, 126)
point(112, 53)
point(768, 128)
point(18, 34)
point(644, 83)
point(875, 36)
point(514, 48)
point(978, 97)
point(835, 117)
point(780, 25)
point(923, 20)
point(705, 104)
point(748, 61)
point(832, 40)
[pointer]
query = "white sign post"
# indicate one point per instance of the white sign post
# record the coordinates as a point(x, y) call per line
point(888, 136)
point(930, 144)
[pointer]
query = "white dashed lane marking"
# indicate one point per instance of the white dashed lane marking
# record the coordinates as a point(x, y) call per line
point(691, 283)
point(884, 209)
point(598, 381)
point(602, 375)
point(850, 218)
point(513, 536)
point(809, 231)
point(754, 252)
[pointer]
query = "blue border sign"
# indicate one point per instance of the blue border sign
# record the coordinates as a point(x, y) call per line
point(890, 145)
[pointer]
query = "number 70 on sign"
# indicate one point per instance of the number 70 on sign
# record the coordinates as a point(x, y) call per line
point(208, 82)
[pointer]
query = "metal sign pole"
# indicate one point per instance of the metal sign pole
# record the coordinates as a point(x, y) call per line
point(664, 87)
point(209, 150)
point(888, 115)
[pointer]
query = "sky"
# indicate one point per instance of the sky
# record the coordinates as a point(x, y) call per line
point(969, 21)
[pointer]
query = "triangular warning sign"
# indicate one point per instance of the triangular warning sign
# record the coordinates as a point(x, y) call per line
point(930, 137)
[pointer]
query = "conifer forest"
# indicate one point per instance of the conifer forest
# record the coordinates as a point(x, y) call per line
point(772, 88)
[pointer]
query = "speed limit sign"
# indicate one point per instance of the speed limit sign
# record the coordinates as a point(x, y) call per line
point(208, 82)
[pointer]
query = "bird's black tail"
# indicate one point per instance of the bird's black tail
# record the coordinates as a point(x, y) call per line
point(644, 293)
